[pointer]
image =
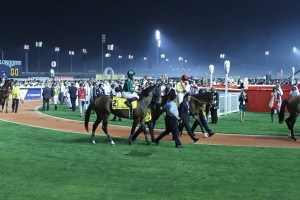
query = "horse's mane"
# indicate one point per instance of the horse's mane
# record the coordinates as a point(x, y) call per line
point(146, 91)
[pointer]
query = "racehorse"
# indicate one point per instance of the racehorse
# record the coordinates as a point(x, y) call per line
point(293, 106)
point(4, 93)
point(196, 103)
point(103, 108)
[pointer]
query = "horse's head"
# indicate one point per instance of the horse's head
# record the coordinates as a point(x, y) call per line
point(154, 92)
point(7, 84)
point(203, 97)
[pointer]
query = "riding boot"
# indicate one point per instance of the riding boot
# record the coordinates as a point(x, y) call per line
point(128, 103)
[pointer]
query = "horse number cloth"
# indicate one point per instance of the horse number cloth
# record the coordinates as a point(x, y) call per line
point(119, 103)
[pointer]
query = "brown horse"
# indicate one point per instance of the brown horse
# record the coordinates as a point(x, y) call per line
point(103, 108)
point(196, 103)
point(293, 106)
point(4, 93)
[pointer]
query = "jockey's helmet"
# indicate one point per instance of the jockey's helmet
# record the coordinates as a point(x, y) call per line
point(185, 77)
point(130, 73)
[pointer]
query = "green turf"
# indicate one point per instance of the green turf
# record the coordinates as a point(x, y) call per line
point(45, 164)
point(255, 123)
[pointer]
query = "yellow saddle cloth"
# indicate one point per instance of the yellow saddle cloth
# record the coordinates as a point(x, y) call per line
point(118, 103)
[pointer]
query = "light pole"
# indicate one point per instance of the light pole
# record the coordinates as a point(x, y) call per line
point(145, 59)
point(71, 53)
point(107, 55)
point(211, 70)
point(84, 52)
point(103, 41)
point(26, 48)
point(293, 75)
point(157, 35)
point(294, 50)
point(38, 45)
point(226, 68)
point(162, 56)
point(130, 57)
point(120, 58)
point(57, 50)
point(266, 54)
point(110, 48)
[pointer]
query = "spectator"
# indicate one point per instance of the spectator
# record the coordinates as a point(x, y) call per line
point(275, 102)
point(81, 98)
point(294, 91)
point(73, 96)
point(243, 99)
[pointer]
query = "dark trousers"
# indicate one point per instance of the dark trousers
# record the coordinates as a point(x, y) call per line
point(201, 122)
point(214, 115)
point(150, 127)
point(186, 124)
point(73, 103)
point(272, 113)
point(61, 98)
point(171, 127)
point(15, 105)
point(45, 102)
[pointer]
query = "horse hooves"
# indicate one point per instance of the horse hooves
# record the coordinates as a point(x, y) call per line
point(93, 141)
point(129, 142)
point(148, 143)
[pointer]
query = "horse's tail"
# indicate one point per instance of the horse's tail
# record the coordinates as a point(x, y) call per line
point(87, 116)
point(282, 109)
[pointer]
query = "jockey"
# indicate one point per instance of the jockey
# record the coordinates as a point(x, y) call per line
point(180, 88)
point(3, 77)
point(128, 90)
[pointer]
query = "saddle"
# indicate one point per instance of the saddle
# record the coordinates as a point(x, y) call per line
point(119, 103)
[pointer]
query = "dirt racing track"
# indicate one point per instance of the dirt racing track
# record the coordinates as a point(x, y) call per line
point(27, 115)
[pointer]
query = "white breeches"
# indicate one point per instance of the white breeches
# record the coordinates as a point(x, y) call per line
point(180, 97)
point(129, 95)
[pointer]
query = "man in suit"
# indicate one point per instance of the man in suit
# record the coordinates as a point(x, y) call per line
point(73, 95)
point(46, 96)
point(184, 114)
point(214, 106)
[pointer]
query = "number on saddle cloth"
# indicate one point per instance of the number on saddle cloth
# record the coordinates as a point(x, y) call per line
point(118, 103)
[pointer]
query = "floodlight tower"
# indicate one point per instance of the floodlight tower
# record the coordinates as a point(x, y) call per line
point(157, 35)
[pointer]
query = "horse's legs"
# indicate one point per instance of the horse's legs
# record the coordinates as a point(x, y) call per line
point(134, 124)
point(288, 123)
point(104, 128)
point(292, 123)
point(95, 125)
point(6, 107)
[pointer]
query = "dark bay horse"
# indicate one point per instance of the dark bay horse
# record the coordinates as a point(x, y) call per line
point(4, 93)
point(103, 108)
point(196, 103)
point(293, 106)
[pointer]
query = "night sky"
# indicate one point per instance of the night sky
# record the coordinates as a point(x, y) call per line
point(197, 30)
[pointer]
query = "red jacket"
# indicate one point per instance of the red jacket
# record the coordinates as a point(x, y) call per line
point(82, 93)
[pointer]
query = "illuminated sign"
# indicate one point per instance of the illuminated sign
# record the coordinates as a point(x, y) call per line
point(12, 68)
